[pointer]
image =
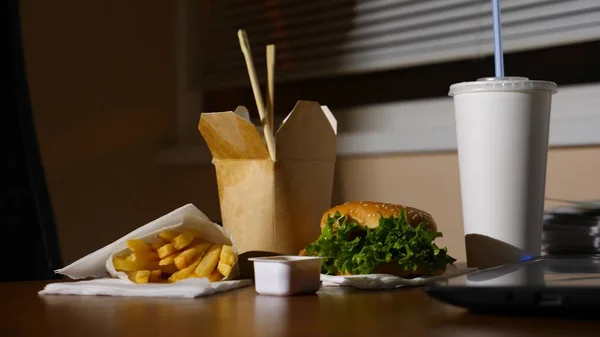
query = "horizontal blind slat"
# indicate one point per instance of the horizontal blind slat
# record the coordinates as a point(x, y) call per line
point(384, 29)
point(435, 32)
point(386, 34)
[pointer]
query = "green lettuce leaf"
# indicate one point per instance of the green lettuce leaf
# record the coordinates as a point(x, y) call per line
point(349, 248)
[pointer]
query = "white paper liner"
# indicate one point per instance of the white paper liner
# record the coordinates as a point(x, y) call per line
point(385, 281)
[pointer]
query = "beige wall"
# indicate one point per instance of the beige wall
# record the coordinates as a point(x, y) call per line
point(101, 75)
point(431, 182)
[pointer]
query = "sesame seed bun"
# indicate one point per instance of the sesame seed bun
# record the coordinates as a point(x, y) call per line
point(367, 214)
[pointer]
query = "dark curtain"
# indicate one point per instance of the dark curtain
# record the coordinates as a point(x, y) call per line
point(28, 241)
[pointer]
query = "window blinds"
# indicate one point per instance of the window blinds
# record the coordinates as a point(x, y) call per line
point(322, 38)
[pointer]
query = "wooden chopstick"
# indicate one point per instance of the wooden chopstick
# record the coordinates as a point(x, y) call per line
point(270, 83)
point(267, 127)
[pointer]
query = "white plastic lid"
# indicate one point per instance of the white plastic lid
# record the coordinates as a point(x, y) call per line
point(489, 84)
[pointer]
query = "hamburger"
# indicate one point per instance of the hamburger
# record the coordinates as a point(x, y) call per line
point(365, 237)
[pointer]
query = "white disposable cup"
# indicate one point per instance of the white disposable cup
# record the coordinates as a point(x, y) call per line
point(502, 129)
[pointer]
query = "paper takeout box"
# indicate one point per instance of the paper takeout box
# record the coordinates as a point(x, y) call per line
point(99, 263)
point(273, 206)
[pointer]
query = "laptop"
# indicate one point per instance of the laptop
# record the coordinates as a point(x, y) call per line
point(543, 285)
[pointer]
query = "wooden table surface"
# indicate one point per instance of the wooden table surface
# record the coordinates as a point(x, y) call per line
point(331, 312)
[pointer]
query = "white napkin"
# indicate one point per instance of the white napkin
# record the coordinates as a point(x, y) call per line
point(385, 281)
point(188, 288)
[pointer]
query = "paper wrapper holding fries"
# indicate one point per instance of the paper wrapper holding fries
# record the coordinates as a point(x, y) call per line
point(193, 248)
point(181, 245)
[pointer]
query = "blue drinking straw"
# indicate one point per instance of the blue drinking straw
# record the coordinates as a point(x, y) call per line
point(498, 58)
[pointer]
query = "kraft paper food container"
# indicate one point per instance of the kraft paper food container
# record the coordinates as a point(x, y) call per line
point(273, 206)
point(99, 263)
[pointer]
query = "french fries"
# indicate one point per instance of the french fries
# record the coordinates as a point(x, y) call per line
point(170, 269)
point(175, 255)
point(168, 235)
point(185, 272)
point(155, 276)
point(138, 246)
point(157, 244)
point(209, 261)
point(184, 258)
point(166, 250)
point(165, 261)
point(121, 263)
point(224, 268)
point(183, 240)
point(143, 256)
point(215, 276)
point(227, 260)
point(140, 276)
point(228, 256)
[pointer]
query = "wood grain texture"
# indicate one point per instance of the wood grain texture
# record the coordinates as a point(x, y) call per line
point(331, 312)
